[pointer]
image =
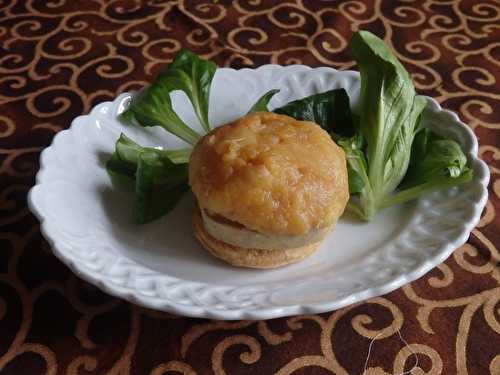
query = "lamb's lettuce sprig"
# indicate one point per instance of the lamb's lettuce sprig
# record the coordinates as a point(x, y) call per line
point(329, 109)
point(262, 103)
point(390, 116)
point(159, 177)
point(391, 158)
point(153, 106)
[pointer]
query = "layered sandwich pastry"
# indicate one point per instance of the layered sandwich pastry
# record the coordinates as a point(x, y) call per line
point(268, 189)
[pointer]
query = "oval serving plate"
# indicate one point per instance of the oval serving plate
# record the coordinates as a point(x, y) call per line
point(160, 265)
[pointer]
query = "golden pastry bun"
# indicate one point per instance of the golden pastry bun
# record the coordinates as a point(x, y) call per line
point(271, 174)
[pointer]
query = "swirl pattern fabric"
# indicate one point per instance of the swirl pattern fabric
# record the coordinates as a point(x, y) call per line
point(59, 58)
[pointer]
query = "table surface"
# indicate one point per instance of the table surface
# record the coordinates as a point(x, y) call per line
point(59, 58)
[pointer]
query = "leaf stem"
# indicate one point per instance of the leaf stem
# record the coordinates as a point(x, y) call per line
point(409, 194)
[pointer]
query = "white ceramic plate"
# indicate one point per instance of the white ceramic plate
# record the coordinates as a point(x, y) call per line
point(160, 265)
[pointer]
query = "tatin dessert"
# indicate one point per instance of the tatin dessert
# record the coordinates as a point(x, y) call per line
point(268, 189)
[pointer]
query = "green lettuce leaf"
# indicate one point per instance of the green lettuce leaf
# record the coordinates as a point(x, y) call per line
point(119, 171)
point(419, 146)
point(159, 185)
point(356, 162)
point(263, 101)
point(194, 76)
point(390, 107)
point(390, 112)
point(159, 177)
point(443, 165)
point(441, 157)
point(153, 106)
point(403, 160)
point(330, 110)
point(122, 165)
point(128, 152)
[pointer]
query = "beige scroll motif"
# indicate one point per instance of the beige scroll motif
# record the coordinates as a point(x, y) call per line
point(248, 357)
point(444, 281)
point(410, 350)
point(327, 360)
point(175, 366)
point(488, 299)
point(84, 362)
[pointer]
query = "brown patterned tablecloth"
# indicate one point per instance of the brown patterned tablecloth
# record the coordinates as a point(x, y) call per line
point(58, 58)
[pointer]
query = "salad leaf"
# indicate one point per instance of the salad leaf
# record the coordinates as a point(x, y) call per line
point(389, 110)
point(397, 147)
point(443, 165)
point(356, 182)
point(390, 113)
point(443, 157)
point(329, 109)
point(153, 106)
point(194, 76)
point(356, 163)
point(158, 176)
point(123, 163)
point(128, 152)
point(419, 146)
point(263, 101)
point(119, 172)
point(438, 183)
point(159, 185)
